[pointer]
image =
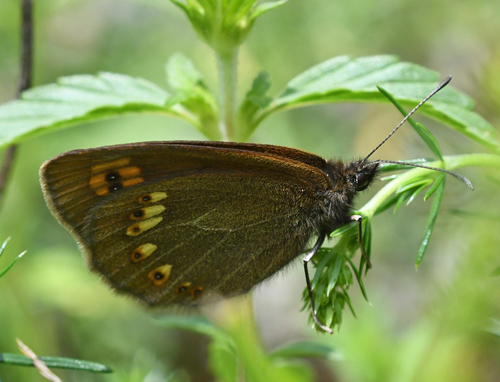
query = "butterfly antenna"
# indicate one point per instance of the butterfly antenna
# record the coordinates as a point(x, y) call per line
point(460, 177)
point(439, 87)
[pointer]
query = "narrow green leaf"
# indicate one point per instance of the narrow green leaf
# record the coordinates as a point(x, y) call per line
point(358, 275)
point(223, 361)
point(366, 241)
point(55, 363)
point(401, 199)
point(387, 203)
point(417, 191)
point(387, 167)
point(305, 349)
point(198, 325)
point(328, 315)
point(345, 228)
point(475, 214)
point(4, 244)
point(434, 186)
point(421, 130)
point(4, 271)
point(429, 139)
point(333, 272)
point(349, 303)
point(321, 266)
point(436, 203)
point(319, 293)
point(266, 7)
point(413, 185)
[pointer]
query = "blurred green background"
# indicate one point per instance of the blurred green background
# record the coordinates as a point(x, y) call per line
point(437, 324)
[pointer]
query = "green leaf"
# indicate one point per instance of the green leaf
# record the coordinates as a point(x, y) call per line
point(436, 203)
point(434, 186)
point(429, 139)
point(386, 167)
point(327, 258)
point(343, 79)
point(255, 100)
point(182, 75)
point(266, 7)
point(83, 98)
point(305, 349)
point(358, 274)
point(2, 249)
point(366, 242)
point(417, 191)
point(334, 271)
point(414, 184)
point(495, 272)
point(223, 361)
point(55, 363)
point(193, 94)
point(403, 196)
point(5, 270)
point(198, 325)
point(422, 131)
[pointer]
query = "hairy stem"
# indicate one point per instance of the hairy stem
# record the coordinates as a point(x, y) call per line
point(228, 78)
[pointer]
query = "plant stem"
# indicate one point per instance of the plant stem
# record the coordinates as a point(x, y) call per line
point(452, 162)
point(24, 80)
point(228, 78)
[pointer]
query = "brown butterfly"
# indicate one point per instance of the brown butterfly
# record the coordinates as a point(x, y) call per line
point(178, 222)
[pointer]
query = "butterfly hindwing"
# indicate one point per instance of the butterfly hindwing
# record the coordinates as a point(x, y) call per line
point(171, 223)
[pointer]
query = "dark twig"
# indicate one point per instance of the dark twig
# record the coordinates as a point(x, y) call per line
point(24, 80)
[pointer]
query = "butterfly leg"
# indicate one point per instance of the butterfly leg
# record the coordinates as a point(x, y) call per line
point(359, 220)
point(306, 260)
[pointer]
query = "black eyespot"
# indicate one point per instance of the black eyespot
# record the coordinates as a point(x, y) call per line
point(146, 198)
point(139, 214)
point(197, 291)
point(159, 275)
point(181, 289)
point(112, 176)
point(137, 255)
point(115, 187)
point(136, 229)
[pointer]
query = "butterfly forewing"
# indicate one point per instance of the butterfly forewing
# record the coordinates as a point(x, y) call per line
point(173, 223)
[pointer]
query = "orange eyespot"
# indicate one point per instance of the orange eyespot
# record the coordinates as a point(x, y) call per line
point(196, 292)
point(143, 251)
point(160, 275)
point(152, 197)
point(183, 287)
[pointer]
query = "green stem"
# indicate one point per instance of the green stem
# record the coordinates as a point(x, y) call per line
point(452, 162)
point(228, 78)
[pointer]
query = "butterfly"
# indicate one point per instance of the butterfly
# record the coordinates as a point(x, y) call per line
point(172, 222)
point(185, 221)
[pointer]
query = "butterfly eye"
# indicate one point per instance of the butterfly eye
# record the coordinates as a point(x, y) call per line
point(362, 181)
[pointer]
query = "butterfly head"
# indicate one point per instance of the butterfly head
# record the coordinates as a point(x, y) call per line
point(360, 174)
